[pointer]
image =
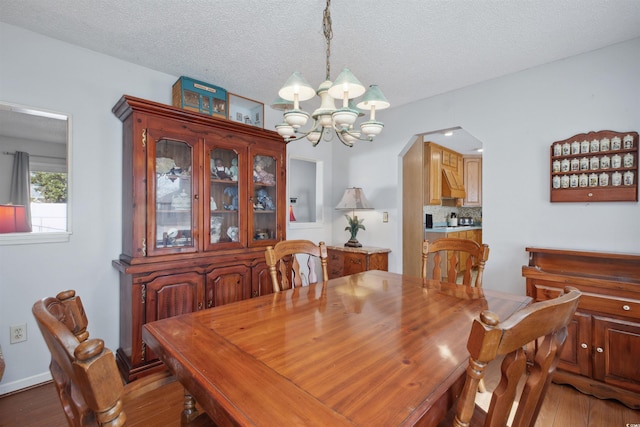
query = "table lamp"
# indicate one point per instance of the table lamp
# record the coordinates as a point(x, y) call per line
point(354, 199)
point(13, 219)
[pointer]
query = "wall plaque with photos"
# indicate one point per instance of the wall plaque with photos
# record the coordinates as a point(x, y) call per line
point(595, 167)
point(245, 110)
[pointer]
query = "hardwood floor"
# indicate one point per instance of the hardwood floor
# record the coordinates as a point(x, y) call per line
point(39, 407)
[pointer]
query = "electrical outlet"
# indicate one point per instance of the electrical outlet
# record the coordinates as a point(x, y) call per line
point(18, 333)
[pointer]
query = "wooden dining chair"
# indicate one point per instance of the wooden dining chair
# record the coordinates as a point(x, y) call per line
point(284, 266)
point(463, 260)
point(530, 341)
point(84, 371)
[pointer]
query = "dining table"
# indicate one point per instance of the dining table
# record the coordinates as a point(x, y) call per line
point(371, 349)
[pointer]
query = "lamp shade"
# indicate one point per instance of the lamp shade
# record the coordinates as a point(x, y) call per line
point(281, 104)
point(13, 219)
point(297, 86)
point(354, 198)
point(373, 98)
point(346, 82)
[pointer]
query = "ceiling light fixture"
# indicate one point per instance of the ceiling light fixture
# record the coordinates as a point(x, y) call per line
point(327, 118)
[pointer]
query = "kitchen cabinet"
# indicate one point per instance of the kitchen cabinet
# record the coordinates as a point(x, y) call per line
point(425, 166)
point(472, 175)
point(600, 356)
point(202, 198)
point(432, 170)
point(344, 261)
point(474, 234)
point(443, 171)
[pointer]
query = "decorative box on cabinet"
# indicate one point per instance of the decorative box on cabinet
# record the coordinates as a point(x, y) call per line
point(201, 97)
point(202, 198)
point(595, 167)
point(600, 356)
point(344, 261)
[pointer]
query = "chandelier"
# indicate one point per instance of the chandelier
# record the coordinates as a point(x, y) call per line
point(327, 119)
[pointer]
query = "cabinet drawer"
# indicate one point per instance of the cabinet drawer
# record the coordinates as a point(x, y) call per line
point(336, 264)
point(613, 306)
point(345, 261)
point(354, 263)
point(624, 307)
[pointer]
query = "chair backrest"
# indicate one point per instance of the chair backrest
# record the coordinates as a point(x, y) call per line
point(284, 265)
point(84, 370)
point(530, 341)
point(463, 260)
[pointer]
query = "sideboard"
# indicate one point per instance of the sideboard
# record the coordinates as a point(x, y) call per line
point(344, 261)
point(600, 356)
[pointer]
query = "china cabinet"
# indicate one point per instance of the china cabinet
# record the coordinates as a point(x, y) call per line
point(600, 355)
point(202, 198)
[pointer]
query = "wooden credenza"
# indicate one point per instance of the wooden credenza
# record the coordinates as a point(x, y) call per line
point(344, 261)
point(600, 356)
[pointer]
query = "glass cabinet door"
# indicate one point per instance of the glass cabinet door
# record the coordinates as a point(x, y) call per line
point(172, 216)
point(225, 223)
point(264, 196)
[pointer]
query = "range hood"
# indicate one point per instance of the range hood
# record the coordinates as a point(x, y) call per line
point(451, 186)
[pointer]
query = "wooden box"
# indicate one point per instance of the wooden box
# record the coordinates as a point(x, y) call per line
point(201, 97)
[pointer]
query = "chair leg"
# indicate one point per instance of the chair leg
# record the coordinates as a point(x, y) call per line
point(190, 412)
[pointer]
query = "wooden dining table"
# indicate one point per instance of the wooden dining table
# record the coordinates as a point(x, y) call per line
point(370, 349)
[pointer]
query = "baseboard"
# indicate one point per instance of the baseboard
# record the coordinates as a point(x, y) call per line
point(24, 383)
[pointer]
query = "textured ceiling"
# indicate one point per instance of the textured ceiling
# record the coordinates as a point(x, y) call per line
point(411, 48)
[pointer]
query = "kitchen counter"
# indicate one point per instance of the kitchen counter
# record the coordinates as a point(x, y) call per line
point(446, 229)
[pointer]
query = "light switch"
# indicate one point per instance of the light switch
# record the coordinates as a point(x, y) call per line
point(385, 216)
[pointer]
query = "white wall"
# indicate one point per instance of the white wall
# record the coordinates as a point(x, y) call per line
point(43, 72)
point(517, 118)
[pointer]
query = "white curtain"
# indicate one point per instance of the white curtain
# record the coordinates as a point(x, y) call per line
point(20, 191)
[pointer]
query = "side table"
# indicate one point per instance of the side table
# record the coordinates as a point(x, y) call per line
point(344, 261)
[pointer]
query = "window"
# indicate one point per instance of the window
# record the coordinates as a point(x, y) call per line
point(44, 135)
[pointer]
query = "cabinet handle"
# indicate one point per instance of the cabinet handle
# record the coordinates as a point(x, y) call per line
point(599, 350)
point(626, 308)
point(200, 305)
point(196, 196)
point(584, 345)
point(590, 194)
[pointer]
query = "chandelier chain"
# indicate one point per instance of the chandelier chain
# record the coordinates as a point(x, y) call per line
point(328, 35)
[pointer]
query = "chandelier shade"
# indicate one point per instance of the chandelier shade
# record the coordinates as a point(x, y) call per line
point(297, 88)
point(281, 104)
point(346, 86)
point(328, 121)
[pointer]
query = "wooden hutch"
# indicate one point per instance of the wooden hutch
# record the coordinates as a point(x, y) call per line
point(600, 356)
point(201, 199)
